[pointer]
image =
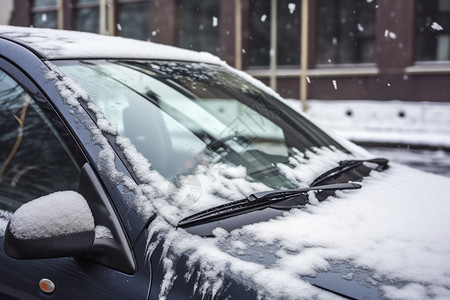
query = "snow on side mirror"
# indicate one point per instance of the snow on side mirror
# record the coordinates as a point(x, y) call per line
point(56, 225)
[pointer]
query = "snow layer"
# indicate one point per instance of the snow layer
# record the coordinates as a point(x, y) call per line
point(396, 227)
point(56, 214)
point(57, 44)
point(414, 123)
point(103, 232)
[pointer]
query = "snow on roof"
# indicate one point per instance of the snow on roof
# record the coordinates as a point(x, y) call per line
point(63, 44)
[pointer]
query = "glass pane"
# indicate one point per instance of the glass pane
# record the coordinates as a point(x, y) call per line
point(133, 20)
point(182, 116)
point(288, 32)
point(433, 30)
point(84, 1)
point(87, 19)
point(34, 161)
point(260, 33)
point(346, 32)
point(45, 20)
point(198, 25)
point(40, 3)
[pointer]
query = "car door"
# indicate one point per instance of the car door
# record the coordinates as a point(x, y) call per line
point(38, 157)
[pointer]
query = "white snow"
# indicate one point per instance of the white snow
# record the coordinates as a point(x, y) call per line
point(215, 21)
point(334, 41)
point(56, 214)
point(103, 232)
point(400, 122)
point(385, 227)
point(390, 34)
point(334, 84)
point(73, 44)
point(360, 27)
point(263, 18)
point(291, 7)
point(436, 26)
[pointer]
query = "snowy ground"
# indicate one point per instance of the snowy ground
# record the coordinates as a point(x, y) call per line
point(433, 161)
point(404, 129)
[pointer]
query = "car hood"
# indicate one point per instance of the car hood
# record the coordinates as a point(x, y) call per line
point(388, 240)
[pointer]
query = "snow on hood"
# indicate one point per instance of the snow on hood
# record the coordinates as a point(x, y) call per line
point(60, 44)
point(396, 227)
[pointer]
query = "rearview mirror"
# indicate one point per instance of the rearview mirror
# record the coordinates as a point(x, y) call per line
point(56, 225)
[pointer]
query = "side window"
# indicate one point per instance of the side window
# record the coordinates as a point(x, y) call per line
point(34, 160)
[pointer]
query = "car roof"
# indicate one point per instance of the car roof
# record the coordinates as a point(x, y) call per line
point(65, 44)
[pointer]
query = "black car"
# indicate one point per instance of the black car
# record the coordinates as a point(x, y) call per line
point(131, 170)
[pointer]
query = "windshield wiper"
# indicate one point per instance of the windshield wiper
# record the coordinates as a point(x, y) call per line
point(346, 165)
point(257, 201)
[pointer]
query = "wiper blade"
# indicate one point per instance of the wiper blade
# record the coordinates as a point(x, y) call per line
point(346, 165)
point(257, 201)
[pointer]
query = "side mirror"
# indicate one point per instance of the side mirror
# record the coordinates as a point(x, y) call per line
point(62, 225)
point(56, 225)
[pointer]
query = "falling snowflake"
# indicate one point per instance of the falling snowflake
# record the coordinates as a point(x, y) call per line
point(291, 7)
point(436, 26)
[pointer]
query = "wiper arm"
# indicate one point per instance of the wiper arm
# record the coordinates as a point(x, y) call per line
point(346, 165)
point(256, 201)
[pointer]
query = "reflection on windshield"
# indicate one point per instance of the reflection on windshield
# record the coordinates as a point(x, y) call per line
point(182, 115)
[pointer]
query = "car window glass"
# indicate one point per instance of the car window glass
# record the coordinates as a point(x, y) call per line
point(225, 116)
point(182, 116)
point(34, 160)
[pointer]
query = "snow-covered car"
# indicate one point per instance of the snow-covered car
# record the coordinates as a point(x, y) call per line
point(131, 170)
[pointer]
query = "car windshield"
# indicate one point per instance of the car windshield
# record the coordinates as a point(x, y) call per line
point(183, 115)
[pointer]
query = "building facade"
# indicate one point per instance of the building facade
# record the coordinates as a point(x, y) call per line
point(315, 49)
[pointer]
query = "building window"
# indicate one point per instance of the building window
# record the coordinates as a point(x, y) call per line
point(346, 32)
point(288, 32)
point(198, 25)
point(260, 33)
point(433, 30)
point(133, 20)
point(287, 20)
point(87, 15)
point(44, 13)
